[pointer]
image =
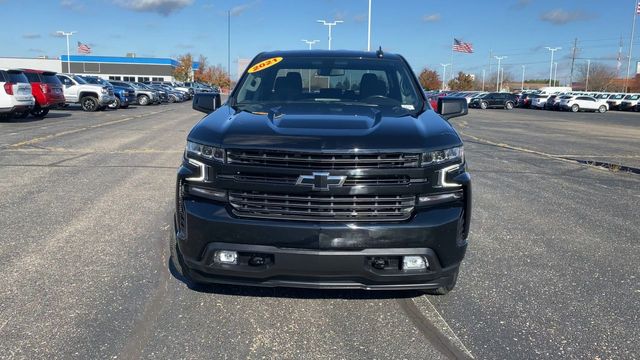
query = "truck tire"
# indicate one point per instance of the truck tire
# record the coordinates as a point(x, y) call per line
point(143, 100)
point(115, 105)
point(89, 103)
point(39, 112)
point(444, 290)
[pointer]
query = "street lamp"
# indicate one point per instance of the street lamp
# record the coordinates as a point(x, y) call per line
point(444, 72)
point(483, 75)
point(553, 50)
point(330, 25)
point(310, 42)
point(555, 74)
point(499, 58)
point(369, 29)
point(67, 34)
point(586, 85)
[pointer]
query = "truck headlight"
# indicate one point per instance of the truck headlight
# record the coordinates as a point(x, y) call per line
point(206, 151)
point(442, 156)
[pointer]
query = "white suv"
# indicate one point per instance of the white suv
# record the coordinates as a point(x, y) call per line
point(90, 97)
point(579, 103)
point(15, 93)
point(539, 101)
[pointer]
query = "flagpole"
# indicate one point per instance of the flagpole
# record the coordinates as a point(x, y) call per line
point(452, 58)
point(633, 29)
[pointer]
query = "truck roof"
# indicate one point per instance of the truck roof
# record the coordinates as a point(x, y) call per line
point(327, 53)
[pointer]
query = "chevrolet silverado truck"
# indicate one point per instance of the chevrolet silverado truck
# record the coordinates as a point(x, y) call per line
point(90, 97)
point(323, 169)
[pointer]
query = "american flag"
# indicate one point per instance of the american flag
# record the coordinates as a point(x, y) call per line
point(83, 48)
point(464, 47)
point(638, 8)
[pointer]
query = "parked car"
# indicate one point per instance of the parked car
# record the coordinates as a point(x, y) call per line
point(524, 101)
point(583, 103)
point(615, 100)
point(539, 101)
point(629, 102)
point(128, 87)
point(551, 100)
point(16, 99)
point(91, 97)
point(124, 95)
point(145, 95)
point(47, 91)
point(234, 225)
point(162, 93)
point(495, 100)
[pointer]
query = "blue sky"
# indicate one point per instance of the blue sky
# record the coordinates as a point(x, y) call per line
point(420, 30)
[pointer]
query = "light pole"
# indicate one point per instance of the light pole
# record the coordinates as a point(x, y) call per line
point(310, 43)
point(586, 85)
point(501, 77)
point(369, 29)
point(555, 74)
point(499, 58)
point(553, 50)
point(444, 72)
point(67, 34)
point(483, 75)
point(229, 47)
point(330, 25)
point(522, 86)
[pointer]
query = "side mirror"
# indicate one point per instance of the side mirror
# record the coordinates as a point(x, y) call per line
point(206, 102)
point(451, 107)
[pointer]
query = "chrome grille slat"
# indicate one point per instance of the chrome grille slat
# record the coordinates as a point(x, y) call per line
point(321, 161)
point(350, 181)
point(322, 207)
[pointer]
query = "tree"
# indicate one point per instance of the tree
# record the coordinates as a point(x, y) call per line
point(634, 84)
point(199, 73)
point(219, 76)
point(429, 79)
point(506, 77)
point(461, 82)
point(601, 76)
point(182, 72)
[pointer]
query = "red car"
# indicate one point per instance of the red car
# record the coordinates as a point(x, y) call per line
point(47, 89)
point(433, 100)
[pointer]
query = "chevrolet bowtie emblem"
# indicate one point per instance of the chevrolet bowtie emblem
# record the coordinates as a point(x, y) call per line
point(320, 181)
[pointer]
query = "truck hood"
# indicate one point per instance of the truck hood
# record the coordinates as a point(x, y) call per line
point(359, 129)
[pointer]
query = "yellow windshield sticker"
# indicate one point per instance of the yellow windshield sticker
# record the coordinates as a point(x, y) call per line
point(264, 64)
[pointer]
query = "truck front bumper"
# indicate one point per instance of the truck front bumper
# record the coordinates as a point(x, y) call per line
point(322, 255)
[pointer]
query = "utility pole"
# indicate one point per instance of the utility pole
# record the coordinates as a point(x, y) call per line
point(229, 47)
point(499, 58)
point(369, 29)
point(553, 50)
point(586, 85)
point(330, 25)
point(573, 60)
point(67, 34)
point(444, 73)
point(555, 74)
point(633, 30)
point(522, 86)
point(483, 75)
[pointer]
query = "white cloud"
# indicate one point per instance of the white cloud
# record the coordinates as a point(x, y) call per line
point(561, 17)
point(431, 18)
point(163, 7)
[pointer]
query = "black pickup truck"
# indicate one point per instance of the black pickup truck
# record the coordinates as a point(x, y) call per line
point(324, 169)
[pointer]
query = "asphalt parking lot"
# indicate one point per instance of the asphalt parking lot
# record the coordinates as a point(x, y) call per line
point(551, 271)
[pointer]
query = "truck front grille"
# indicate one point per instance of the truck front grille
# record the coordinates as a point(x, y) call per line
point(321, 207)
point(370, 180)
point(319, 161)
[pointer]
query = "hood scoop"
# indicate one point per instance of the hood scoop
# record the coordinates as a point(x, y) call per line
point(361, 121)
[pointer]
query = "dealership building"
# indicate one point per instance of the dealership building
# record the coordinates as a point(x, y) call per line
point(125, 68)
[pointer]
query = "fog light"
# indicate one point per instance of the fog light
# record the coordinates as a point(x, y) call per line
point(226, 257)
point(414, 263)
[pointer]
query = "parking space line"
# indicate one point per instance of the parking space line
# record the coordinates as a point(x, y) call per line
point(68, 132)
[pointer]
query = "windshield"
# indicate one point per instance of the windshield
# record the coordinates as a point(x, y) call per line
point(617, 97)
point(632, 97)
point(383, 84)
point(79, 80)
